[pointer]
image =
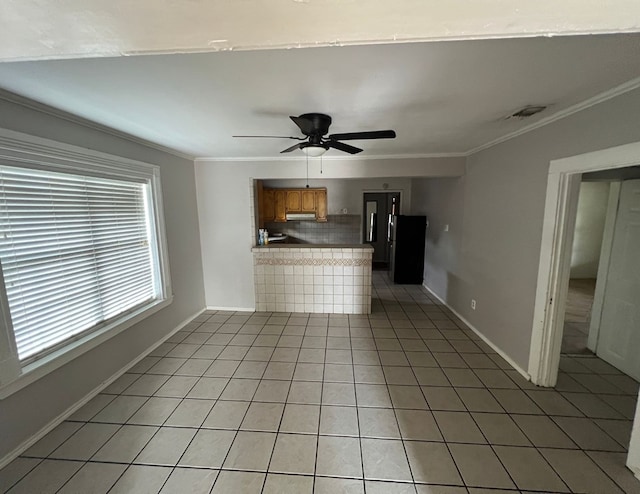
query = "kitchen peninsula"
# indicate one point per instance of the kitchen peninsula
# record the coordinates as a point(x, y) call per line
point(320, 278)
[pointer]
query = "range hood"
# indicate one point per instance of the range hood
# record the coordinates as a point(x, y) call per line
point(301, 216)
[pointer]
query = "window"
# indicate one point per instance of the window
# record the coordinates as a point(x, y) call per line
point(81, 249)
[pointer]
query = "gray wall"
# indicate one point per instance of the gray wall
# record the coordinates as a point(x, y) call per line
point(587, 236)
point(25, 412)
point(493, 256)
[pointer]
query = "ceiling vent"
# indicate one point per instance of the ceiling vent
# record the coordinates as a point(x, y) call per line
point(527, 111)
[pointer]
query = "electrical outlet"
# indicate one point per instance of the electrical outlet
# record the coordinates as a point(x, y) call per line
point(473, 304)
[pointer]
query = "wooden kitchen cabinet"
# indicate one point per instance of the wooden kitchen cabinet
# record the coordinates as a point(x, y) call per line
point(268, 206)
point(280, 205)
point(294, 201)
point(276, 203)
point(321, 205)
point(308, 201)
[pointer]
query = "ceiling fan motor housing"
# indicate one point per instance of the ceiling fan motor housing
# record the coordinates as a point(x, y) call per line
point(320, 124)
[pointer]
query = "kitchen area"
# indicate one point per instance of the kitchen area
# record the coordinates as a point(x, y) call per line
point(314, 247)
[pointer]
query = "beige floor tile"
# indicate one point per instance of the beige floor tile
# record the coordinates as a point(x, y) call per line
point(430, 376)
point(459, 427)
point(368, 374)
point(579, 472)
point(385, 459)
point(300, 418)
point(592, 406)
point(141, 480)
point(240, 389)
point(194, 367)
point(340, 421)
point(553, 403)
point(338, 394)
point(418, 425)
point(378, 423)
point(407, 397)
point(45, 446)
point(516, 401)
point(263, 417)
point(280, 370)
point(207, 449)
point(366, 357)
point(15, 471)
point(479, 466)
point(85, 442)
point(47, 477)
point(529, 470)
point(399, 375)
point(176, 387)
point(250, 451)
point(620, 430)
point(294, 453)
point(309, 393)
point(338, 373)
point(88, 411)
point(93, 478)
point(421, 359)
point(379, 487)
point(208, 388)
point(311, 355)
point(288, 484)
point(120, 409)
point(226, 415)
point(543, 432)
point(495, 378)
point(125, 444)
point(478, 400)
point(166, 446)
point(244, 482)
point(272, 391)
point(614, 466)
point(373, 395)
point(288, 355)
point(332, 485)
point(250, 369)
point(500, 429)
point(190, 413)
point(339, 456)
point(308, 372)
point(444, 489)
point(155, 411)
point(191, 480)
point(586, 434)
point(222, 368)
point(431, 463)
point(443, 398)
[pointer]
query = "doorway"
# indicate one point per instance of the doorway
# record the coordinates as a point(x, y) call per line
point(562, 194)
point(378, 211)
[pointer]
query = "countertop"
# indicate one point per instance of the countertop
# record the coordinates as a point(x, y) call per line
point(306, 247)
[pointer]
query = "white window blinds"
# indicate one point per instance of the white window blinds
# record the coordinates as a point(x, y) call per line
point(75, 251)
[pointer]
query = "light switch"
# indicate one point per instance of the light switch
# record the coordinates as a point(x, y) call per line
point(446, 228)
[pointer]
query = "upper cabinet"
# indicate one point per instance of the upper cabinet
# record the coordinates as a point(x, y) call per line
point(275, 204)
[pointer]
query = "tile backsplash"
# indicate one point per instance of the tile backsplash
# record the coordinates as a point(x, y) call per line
point(339, 229)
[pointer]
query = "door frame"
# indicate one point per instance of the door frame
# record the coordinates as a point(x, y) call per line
point(563, 187)
point(377, 191)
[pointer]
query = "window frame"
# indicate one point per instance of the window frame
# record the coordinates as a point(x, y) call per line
point(25, 151)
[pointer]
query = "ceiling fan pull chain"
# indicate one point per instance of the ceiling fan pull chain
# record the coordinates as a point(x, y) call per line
point(320, 165)
point(307, 171)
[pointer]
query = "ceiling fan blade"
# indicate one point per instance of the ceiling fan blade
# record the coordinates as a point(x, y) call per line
point(276, 137)
point(293, 148)
point(340, 146)
point(306, 125)
point(374, 134)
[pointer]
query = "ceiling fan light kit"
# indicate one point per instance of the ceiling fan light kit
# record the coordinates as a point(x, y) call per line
point(315, 126)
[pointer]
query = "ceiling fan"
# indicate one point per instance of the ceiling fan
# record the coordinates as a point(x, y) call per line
point(315, 126)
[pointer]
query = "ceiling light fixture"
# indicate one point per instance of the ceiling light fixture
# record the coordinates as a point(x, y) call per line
point(314, 150)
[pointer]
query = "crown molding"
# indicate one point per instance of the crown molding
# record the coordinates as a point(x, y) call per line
point(49, 110)
point(583, 105)
point(276, 159)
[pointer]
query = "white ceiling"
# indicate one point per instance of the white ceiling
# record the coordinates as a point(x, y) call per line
point(39, 29)
point(440, 97)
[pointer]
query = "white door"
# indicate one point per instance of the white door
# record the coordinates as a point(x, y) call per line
point(619, 337)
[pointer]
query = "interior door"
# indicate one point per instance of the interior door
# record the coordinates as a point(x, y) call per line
point(619, 336)
point(378, 209)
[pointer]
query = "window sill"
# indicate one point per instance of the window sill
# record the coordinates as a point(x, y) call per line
point(36, 370)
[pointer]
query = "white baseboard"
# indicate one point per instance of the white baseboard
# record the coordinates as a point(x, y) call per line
point(237, 309)
point(12, 455)
point(495, 348)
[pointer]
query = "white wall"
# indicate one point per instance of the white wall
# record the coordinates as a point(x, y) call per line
point(347, 193)
point(587, 237)
point(224, 208)
point(495, 254)
point(25, 412)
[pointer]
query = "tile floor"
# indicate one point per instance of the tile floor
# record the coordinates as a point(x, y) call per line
point(406, 400)
point(577, 316)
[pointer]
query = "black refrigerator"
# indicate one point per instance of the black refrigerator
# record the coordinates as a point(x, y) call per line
point(407, 240)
